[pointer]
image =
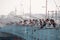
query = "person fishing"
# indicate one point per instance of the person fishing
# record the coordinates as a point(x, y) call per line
point(42, 23)
point(25, 22)
point(30, 22)
point(53, 22)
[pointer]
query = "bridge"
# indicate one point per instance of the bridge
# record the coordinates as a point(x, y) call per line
point(32, 33)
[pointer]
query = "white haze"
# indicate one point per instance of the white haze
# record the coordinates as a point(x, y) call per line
point(37, 6)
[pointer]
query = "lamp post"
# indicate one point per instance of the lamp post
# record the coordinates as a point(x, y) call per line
point(46, 9)
point(30, 8)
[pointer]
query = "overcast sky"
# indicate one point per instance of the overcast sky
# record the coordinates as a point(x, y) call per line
point(37, 6)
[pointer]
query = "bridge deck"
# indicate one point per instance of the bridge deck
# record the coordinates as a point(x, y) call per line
point(32, 33)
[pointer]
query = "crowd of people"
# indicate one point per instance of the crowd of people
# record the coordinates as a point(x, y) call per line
point(38, 22)
point(48, 23)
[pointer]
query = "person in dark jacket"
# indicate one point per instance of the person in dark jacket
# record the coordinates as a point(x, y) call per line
point(42, 23)
point(53, 23)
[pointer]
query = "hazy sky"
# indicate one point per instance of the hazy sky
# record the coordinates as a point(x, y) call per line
point(37, 6)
